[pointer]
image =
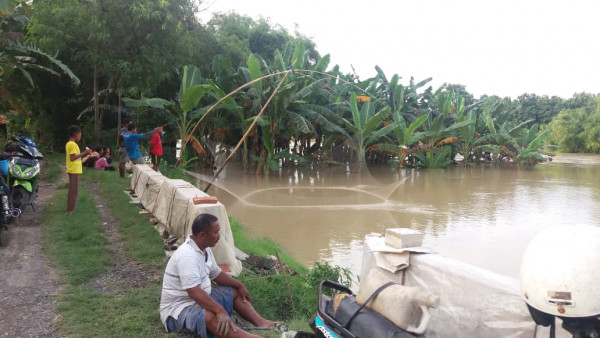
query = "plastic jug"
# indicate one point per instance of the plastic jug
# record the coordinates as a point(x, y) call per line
point(407, 307)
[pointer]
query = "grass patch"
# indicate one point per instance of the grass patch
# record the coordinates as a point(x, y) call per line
point(76, 241)
point(78, 245)
point(262, 247)
point(79, 248)
point(132, 313)
point(141, 241)
point(51, 168)
point(170, 171)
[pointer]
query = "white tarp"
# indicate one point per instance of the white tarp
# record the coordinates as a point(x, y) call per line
point(175, 209)
point(151, 189)
point(225, 248)
point(170, 207)
point(473, 302)
point(137, 170)
point(142, 180)
point(171, 202)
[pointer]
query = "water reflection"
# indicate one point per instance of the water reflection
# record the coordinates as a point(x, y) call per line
point(481, 215)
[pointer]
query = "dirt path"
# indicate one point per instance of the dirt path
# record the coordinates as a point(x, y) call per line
point(123, 273)
point(28, 285)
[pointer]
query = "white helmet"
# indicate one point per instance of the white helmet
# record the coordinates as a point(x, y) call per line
point(560, 271)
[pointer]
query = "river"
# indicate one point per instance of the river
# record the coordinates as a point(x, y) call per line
point(482, 215)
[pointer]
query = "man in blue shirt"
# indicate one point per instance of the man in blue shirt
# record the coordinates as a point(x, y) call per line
point(131, 139)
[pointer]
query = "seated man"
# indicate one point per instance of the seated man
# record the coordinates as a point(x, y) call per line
point(189, 303)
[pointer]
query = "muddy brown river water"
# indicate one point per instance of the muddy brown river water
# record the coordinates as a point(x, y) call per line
point(481, 215)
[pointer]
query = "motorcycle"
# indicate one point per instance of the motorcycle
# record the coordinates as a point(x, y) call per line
point(23, 172)
point(349, 320)
point(7, 213)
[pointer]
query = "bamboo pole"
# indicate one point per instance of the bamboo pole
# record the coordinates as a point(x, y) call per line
point(223, 99)
point(247, 131)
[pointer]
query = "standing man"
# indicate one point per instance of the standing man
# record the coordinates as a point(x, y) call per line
point(156, 148)
point(74, 167)
point(189, 303)
point(131, 139)
point(123, 157)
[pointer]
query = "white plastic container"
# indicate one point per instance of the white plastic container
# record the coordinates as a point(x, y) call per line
point(407, 307)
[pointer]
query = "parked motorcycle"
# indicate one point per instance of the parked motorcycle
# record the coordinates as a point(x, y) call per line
point(7, 212)
point(23, 172)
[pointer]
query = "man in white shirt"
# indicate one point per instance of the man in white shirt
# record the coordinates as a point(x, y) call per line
point(189, 303)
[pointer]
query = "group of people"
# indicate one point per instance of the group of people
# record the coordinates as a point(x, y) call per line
point(98, 159)
point(129, 149)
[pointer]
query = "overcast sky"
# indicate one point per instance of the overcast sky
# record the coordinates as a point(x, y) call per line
point(506, 48)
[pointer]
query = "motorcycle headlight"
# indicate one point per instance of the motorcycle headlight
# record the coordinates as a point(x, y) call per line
point(12, 168)
point(28, 173)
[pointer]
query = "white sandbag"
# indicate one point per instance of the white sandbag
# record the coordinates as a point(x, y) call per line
point(151, 190)
point(175, 209)
point(171, 205)
point(224, 251)
point(135, 176)
point(142, 181)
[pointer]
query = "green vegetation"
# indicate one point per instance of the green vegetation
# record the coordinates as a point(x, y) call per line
point(79, 248)
point(577, 129)
point(51, 169)
point(142, 242)
point(328, 116)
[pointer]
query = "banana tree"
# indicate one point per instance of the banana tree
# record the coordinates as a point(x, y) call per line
point(293, 113)
point(439, 158)
point(404, 136)
point(445, 123)
point(528, 146)
point(503, 135)
point(362, 131)
point(471, 140)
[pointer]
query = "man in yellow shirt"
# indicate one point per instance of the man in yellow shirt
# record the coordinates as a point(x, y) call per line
point(74, 168)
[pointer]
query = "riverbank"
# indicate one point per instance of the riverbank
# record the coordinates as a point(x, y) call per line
point(110, 260)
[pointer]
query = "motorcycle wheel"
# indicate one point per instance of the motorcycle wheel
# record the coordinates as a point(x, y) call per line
point(20, 197)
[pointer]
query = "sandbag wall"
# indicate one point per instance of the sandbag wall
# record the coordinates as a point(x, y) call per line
point(170, 201)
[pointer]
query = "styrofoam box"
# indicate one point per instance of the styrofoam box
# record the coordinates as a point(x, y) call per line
point(403, 238)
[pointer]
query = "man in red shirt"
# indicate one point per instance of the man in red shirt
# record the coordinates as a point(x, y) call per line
point(156, 148)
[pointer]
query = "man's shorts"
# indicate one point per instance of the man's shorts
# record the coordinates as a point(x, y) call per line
point(192, 318)
point(155, 159)
point(139, 160)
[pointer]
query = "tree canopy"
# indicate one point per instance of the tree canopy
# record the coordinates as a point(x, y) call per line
point(107, 50)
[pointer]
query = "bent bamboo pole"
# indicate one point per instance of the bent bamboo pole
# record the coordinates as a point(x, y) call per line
point(219, 102)
point(247, 131)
